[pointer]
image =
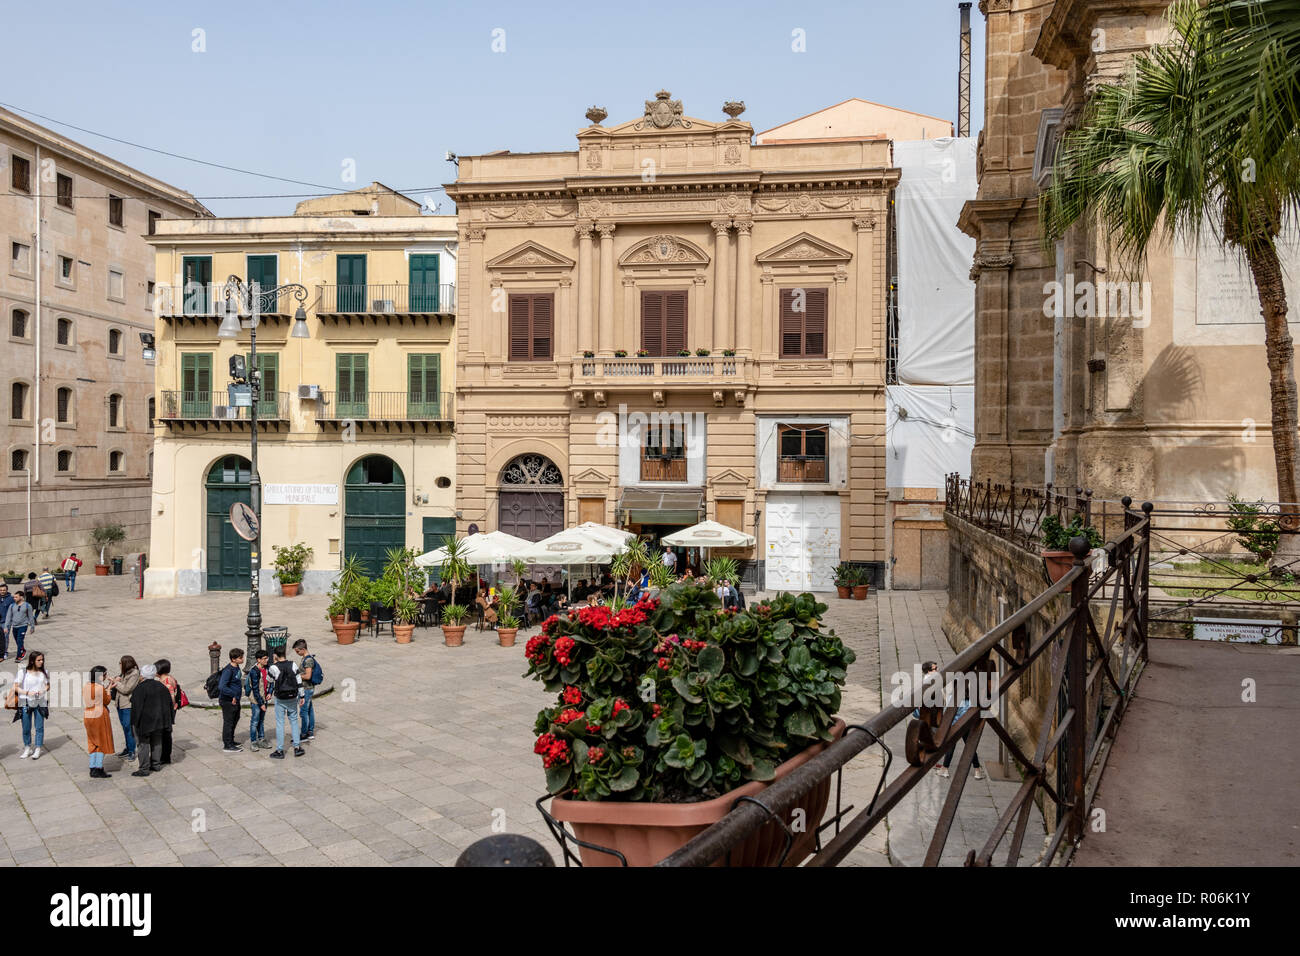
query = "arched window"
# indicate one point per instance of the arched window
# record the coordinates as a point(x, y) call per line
point(116, 461)
point(63, 331)
point(114, 342)
point(18, 459)
point(115, 411)
point(531, 470)
point(152, 408)
point(18, 401)
point(63, 404)
point(63, 461)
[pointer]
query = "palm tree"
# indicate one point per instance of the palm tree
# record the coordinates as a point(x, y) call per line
point(1156, 156)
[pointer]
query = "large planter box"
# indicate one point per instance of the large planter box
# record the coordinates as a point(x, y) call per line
point(646, 833)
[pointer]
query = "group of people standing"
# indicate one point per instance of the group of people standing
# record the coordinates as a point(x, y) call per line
point(273, 681)
point(20, 610)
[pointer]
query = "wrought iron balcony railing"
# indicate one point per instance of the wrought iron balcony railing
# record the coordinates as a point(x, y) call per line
point(390, 299)
point(192, 406)
point(199, 301)
point(342, 406)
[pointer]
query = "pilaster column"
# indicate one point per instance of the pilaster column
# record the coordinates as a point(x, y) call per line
point(480, 300)
point(744, 326)
point(866, 336)
point(606, 230)
point(721, 253)
point(586, 338)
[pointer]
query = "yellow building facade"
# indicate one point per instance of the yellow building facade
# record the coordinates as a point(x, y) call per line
point(355, 447)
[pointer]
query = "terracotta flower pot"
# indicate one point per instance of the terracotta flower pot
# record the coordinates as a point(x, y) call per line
point(645, 833)
point(860, 591)
point(506, 635)
point(453, 635)
point(843, 590)
point(403, 632)
point(101, 570)
point(290, 590)
point(1057, 563)
point(346, 632)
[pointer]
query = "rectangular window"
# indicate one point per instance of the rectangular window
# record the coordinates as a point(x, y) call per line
point(66, 270)
point(268, 365)
point(352, 373)
point(20, 177)
point(663, 322)
point(264, 270)
point(350, 271)
point(115, 210)
point(196, 275)
point(20, 257)
point(731, 512)
point(64, 184)
point(802, 456)
point(196, 385)
point(423, 399)
point(116, 285)
point(148, 296)
point(803, 323)
point(153, 221)
point(663, 452)
point(531, 327)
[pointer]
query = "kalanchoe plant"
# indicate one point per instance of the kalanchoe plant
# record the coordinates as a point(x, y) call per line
point(620, 353)
point(674, 700)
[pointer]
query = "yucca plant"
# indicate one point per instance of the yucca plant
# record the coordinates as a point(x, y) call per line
point(509, 598)
point(721, 568)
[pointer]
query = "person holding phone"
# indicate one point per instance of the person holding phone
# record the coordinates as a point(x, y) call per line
point(33, 686)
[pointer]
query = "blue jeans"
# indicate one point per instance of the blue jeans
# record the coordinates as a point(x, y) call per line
point(289, 709)
point(70, 578)
point(307, 711)
point(124, 717)
point(256, 722)
point(18, 634)
point(96, 761)
point(33, 715)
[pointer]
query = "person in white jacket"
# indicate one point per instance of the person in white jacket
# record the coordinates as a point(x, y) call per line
point(33, 686)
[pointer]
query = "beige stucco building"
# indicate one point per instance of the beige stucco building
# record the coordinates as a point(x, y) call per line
point(670, 323)
point(75, 294)
point(356, 452)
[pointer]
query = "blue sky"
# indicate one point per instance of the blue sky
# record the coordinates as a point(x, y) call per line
point(296, 89)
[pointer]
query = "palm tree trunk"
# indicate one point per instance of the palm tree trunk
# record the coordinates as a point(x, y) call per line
point(1266, 269)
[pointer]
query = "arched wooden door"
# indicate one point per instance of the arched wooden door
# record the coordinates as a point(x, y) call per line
point(531, 502)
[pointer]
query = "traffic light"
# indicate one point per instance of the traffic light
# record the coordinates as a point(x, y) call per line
point(238, 370)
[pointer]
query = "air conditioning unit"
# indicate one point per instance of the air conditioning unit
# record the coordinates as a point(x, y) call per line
point(383, 306)
point(309, 392)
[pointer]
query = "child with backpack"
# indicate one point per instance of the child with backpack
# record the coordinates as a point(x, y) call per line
point(285, 686)
point(312, 675)
point(257, 684)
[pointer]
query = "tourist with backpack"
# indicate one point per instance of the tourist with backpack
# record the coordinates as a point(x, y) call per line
point(230, 690)
point(312, 675)
point(258, 684)
point(120, 689)
point(285, 685)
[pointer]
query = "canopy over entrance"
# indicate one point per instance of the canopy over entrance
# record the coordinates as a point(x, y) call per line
point(653, 506)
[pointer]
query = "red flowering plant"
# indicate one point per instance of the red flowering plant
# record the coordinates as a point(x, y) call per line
point(672, 700)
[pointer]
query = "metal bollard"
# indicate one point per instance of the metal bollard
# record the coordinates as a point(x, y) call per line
point(214, 657)
point(505, 849)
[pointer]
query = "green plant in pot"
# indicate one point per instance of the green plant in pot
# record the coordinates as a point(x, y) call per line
point(507, 622)
point(290, 564)
point(1056, 538)
point(456, 569)
point(844, 579)
point(397, 589)
point(666, 713)
point(104, 536)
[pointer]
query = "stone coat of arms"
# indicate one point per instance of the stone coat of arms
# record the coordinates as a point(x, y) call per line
point(663, 112)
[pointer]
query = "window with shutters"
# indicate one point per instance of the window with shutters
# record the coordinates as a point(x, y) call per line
point(353, 377)
point(803, 322)
point(423, 401)
point(532, 327)
point(20, 177)
point(663, 451)
point(663, 322)
point(196, 384)
point(802, 456)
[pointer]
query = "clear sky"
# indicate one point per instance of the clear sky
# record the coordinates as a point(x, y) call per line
point(300, 89)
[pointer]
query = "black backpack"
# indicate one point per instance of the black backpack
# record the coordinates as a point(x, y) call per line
point(286, 684)
point(212, 684)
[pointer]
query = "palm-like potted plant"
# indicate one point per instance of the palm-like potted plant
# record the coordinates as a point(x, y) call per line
point(1056, 538)
point(861, 583)
point(642, 756)
point(397, 589)
point(103, 536)
point(507, 622)
point(456, 569)
point(843, 580)
point(290, 565)
point(347, 595)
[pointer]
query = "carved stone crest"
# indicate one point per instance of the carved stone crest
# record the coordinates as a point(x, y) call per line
point(663, 112)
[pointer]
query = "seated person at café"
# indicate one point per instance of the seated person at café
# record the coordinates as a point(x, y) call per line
point(489, 606)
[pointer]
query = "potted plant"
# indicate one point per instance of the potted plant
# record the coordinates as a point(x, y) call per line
point(620, 353)
point(290, 563)
point(684, 353)
point(643, 755)
point(397, 588)
point(843, 580)
point(861, 583)
point(729, 353)
point(345, 598)
point(702, 353)
point(103, 536)
point(588, 354)
point(13, 577)
point(1056, 538)
point(507, 623)
point(455, 568)
point(642, 353)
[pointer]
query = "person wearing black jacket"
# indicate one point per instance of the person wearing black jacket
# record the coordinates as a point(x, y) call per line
point(151, 716)
point(259, 685)
point(230, 690)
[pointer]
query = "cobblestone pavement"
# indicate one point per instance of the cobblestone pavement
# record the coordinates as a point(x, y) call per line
point(419, 749)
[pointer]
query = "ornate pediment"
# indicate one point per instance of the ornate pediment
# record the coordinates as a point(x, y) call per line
point(530, 255)
point(665, 251)
point(592, 476)
point(805, 249)
point(729, 476)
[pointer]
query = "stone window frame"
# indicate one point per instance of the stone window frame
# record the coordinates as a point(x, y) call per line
point(29, 272)
point(108, 292)
point(28, 398)
point(28, 324)
point(121, 412)
point(71, 470)
point(108, 463)
point(71, 344)
point(71, 207)
point(1049, 136)
point(71, 423)
point(32, 172)
point(9, 460)
point(120, 354)
point(108, 213)
point(69, 283)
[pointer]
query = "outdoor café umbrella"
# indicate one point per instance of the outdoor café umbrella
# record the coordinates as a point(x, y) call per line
point(492, 547)
point(708, 534)
point(587, 543)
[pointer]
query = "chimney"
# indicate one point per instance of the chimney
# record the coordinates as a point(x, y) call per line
point(963, 73)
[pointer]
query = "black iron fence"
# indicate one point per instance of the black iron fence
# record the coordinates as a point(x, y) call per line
point(385, 406)
point(195, 406)
point(386, 299)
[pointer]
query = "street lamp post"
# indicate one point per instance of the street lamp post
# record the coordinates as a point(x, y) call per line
point(229, 329)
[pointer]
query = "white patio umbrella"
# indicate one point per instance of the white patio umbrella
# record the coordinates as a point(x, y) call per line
point(709, 534)
point(588, 543)
point(492, 547)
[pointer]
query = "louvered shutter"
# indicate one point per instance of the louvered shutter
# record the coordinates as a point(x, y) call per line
point(674, 322)
point(520, 327)
point(543, 325)
point(791, 329)
point(652, 322)
point(814, 324)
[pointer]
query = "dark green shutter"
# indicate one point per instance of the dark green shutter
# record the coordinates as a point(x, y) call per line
point(196, 276)
point(351, 273)
point(268, 363)
point(422, 396)
point(424, 283)
point(265, 272)
point(353, 398)
point(196, 385)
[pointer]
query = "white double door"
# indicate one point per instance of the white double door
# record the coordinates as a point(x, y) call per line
point(803, 542)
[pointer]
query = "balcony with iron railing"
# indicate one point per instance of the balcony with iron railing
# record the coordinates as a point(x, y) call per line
point(801, 468)
point(180, 407)
point(385, 301)
point(386, 411)
point(197, 303)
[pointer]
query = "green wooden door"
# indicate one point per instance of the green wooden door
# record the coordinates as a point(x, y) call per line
point(436, 532)
point(196, 385)
point(422, 396)
point(264, 270)
point(196, 276)
point(424, 283)
point(351, 274)
point(268, 364)
point(353, 399)
point(374, 511)
point(230, 562)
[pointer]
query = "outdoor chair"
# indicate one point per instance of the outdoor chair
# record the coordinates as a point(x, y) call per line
point(381, 614)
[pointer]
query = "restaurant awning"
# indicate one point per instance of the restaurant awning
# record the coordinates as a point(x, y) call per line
point(656, 506)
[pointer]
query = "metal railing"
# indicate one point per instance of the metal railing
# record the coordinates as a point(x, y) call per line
point(339, 406)
point(692, 368)
point(209, 301)
point(180, 405)
point(1016, 513)
point(388, 299)
point(1094, 669)
point(798, 468)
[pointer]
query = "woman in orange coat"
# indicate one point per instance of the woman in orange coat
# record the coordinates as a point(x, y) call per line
point(98, 721)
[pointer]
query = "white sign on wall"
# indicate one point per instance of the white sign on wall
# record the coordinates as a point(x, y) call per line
point(301, 494)
point(1248, 631)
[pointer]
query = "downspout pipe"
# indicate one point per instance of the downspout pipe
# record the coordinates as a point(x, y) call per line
point(36, 381)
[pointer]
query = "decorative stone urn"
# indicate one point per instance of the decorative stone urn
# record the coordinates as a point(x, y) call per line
point(597, 115)
point(733, 108)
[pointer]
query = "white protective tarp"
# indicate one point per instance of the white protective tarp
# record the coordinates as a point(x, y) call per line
point(929, 433)
point(936, 297)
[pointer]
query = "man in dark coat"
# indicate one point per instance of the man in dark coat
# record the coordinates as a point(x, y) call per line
point(151, 715)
